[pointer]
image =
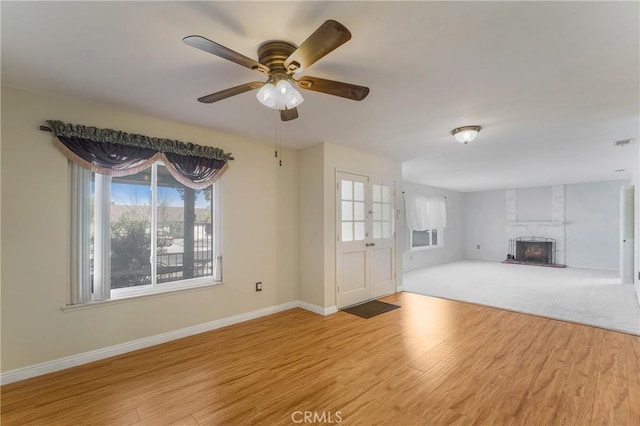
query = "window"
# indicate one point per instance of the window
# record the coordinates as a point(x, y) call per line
point(426, 239)
point(147, 233)
point(426, 220)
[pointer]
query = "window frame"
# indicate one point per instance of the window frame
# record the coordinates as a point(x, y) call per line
point(102, 266)
point(440, 237)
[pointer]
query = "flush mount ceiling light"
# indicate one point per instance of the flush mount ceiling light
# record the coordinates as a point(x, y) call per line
point(465, 134)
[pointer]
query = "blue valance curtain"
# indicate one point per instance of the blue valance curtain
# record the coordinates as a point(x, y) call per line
point(115, 153)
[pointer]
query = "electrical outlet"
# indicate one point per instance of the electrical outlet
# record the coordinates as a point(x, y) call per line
point(259, 286)
point(478, 247)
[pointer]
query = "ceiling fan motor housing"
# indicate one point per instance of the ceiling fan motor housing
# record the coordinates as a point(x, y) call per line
point(273, 53)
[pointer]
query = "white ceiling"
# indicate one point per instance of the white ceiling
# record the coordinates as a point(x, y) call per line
point(552, 83)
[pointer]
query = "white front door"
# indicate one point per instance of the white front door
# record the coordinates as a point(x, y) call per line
point(366, 238)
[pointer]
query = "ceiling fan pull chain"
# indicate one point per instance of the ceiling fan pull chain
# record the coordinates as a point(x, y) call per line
point(275, 136)
point(279, 140)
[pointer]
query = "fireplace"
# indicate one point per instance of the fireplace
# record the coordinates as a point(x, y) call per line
point(533, 251)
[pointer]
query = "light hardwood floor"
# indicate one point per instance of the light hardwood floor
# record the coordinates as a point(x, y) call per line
point(433, 361)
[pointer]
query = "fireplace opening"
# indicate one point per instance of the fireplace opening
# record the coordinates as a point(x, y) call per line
point(533, 251)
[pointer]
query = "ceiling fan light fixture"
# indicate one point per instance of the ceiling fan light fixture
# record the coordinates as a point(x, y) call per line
point(282, 95)
point(267, 95)
point(289, 95)
point(465, 134)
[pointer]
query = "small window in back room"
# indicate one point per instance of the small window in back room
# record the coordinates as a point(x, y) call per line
point(426, 218)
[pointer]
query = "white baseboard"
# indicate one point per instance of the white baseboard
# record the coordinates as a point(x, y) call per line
point(484, 259)
point(330, 310)
point(593, 267)
point(399, 289)
point(317, 309)
point(27, 372)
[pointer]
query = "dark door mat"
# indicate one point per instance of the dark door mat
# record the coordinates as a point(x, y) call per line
point(371, 309)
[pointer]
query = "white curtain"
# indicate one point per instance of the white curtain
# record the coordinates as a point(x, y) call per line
point(424, 213)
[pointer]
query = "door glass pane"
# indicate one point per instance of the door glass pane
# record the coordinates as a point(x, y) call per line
point(377, 211)
point(376, 192)
point(359, 231)
point(347, 231)
point(358, 211)
point(377, 230)
point(386, 229)
point(382, 211)
point(347, 210)
point(386, 194)
point(347, 190)
point(358, 191)
point(386, 212)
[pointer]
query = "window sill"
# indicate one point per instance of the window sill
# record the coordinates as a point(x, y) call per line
point(160, 293)
point(425, 248)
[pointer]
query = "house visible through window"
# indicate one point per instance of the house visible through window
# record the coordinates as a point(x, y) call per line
point(150, 233)
point(424, 239)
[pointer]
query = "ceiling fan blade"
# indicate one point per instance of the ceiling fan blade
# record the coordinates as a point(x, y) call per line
point(328, 37)
point(289, 114)
point(335, 88)
point(227, 93)
point(224, 52)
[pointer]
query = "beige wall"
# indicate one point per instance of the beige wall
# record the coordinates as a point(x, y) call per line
point(311, 225)
point(260, 229)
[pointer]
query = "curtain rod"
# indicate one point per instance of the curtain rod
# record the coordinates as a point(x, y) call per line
point(445, 197)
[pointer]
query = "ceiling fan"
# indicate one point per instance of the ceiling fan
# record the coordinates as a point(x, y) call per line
point(281, 61)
